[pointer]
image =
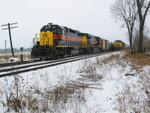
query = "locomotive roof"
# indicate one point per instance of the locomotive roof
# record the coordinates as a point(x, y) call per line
point(117, 41)
point(49, 25)
point(58, 26)
point(69, 29)
point(88, 35)
point(98, 38)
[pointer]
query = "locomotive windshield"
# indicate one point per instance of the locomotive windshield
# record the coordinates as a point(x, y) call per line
point(53, 28)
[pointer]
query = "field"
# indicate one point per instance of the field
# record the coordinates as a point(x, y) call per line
point(16, 58)
point(111, 83)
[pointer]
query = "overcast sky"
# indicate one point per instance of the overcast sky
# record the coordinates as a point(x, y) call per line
point(90, 16)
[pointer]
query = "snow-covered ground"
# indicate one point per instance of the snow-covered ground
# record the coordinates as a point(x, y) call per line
point(94, 85)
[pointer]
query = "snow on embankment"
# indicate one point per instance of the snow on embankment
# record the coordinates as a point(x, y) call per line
point(94, 85)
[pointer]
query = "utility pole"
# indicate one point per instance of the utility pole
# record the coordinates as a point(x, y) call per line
point(9, 30)
point(6, 47)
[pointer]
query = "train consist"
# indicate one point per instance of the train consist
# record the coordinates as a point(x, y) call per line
point(58, 41)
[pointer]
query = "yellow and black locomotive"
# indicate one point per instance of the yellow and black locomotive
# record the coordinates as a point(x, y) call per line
point(119, 45)
point(57, 41)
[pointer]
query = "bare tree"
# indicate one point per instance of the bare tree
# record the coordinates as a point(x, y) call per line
point(146, 40)
point(143, 7)
point(126, 12)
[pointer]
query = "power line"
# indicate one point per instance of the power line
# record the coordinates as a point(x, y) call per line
point(9, 30)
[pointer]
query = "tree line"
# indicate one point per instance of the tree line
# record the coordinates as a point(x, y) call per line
point(132, 14)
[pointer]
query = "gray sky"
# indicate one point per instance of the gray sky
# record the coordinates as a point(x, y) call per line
point(90, 16)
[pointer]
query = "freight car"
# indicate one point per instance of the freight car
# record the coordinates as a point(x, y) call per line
point(58, 41)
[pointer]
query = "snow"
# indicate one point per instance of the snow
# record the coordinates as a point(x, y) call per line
point(97, 85)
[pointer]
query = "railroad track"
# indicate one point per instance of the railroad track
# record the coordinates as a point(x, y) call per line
point(18, 68)
point(17, 63)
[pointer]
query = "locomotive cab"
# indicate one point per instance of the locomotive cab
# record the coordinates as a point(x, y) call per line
point(51, 32)
point(50, 37)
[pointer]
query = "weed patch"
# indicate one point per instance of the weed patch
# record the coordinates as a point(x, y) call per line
point(134, 96)
point(138, 59)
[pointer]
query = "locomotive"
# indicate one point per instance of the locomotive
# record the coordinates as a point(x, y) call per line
point(119, 45)
point(57, 41)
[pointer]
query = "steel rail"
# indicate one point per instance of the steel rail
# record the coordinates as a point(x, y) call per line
point(22, 69)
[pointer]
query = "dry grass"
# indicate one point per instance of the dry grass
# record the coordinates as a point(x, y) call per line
point(109, 58)
point(52, 99)
point(8, 56)
point(56, 100)
point(135, 96)
point(90, 68)
point(138, 59)
point(71, 91)
point(5, 58)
